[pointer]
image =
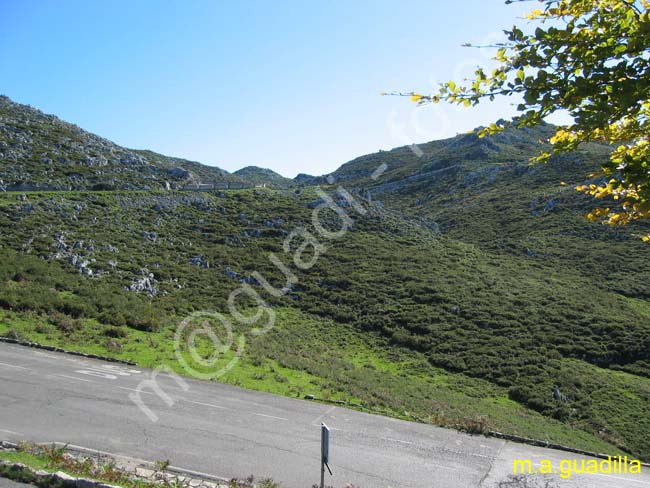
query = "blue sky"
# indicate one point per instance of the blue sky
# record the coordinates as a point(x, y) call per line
point(289, 85)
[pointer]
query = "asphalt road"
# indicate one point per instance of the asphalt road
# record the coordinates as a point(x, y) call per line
point(231, 432)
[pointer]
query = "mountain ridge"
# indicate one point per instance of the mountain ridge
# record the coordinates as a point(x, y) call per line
point(81, 160)
point(471, 286)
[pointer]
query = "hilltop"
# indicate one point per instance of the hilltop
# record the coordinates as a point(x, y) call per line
point(263, 176)
point(471, 292)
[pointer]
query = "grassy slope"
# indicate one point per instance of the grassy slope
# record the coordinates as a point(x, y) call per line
point(296, 359)
point(416, 325)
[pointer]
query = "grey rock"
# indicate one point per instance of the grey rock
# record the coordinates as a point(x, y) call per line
point(558, 395)
point(146, 284)
point(249, 280)
point(233, 241)
point(252, 233)
point(199, 261)
point(151, 236)
point(179, 173)
point(111, 248)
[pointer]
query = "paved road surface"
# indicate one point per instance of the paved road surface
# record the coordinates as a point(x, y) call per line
point(227, 431)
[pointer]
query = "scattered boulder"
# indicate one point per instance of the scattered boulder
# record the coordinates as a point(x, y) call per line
point(252, 233)
point(146, 283)
point(558, 395)
point(199, 261)
point(82, 264)
point(150, 236)
point(111, 248)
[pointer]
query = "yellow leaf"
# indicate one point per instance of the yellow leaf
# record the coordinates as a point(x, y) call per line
point(534, 14)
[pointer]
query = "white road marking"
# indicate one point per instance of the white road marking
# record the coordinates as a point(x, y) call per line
point(134, 389)
point(397, 440)
point(72, 378)
point(205, 404)
point(10, 432)
point(118, 370)
point(97, 373)
point(13, 366)
point(320, 417)
point(270, 416)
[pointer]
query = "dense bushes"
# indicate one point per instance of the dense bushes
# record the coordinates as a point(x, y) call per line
point(497, 315)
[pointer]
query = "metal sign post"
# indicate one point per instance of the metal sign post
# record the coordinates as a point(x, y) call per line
point(324, 452)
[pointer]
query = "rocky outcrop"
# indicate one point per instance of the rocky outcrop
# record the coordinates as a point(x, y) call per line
point(179, 173)
point(145, 284)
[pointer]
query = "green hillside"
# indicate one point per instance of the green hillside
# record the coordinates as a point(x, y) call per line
point(42, 152)
point(471, 292)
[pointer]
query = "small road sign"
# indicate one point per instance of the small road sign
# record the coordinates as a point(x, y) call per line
point(324, 452)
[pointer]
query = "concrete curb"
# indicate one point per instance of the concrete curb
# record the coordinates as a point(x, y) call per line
point(36, 345)
point(131, 465)
point(550, 445)
point(22, 473)
point(140, 462)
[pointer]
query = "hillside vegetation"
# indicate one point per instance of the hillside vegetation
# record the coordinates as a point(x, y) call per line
point(41, 151)
point(471, 293)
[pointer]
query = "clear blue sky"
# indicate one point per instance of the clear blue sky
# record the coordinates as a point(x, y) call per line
point(289, 85)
